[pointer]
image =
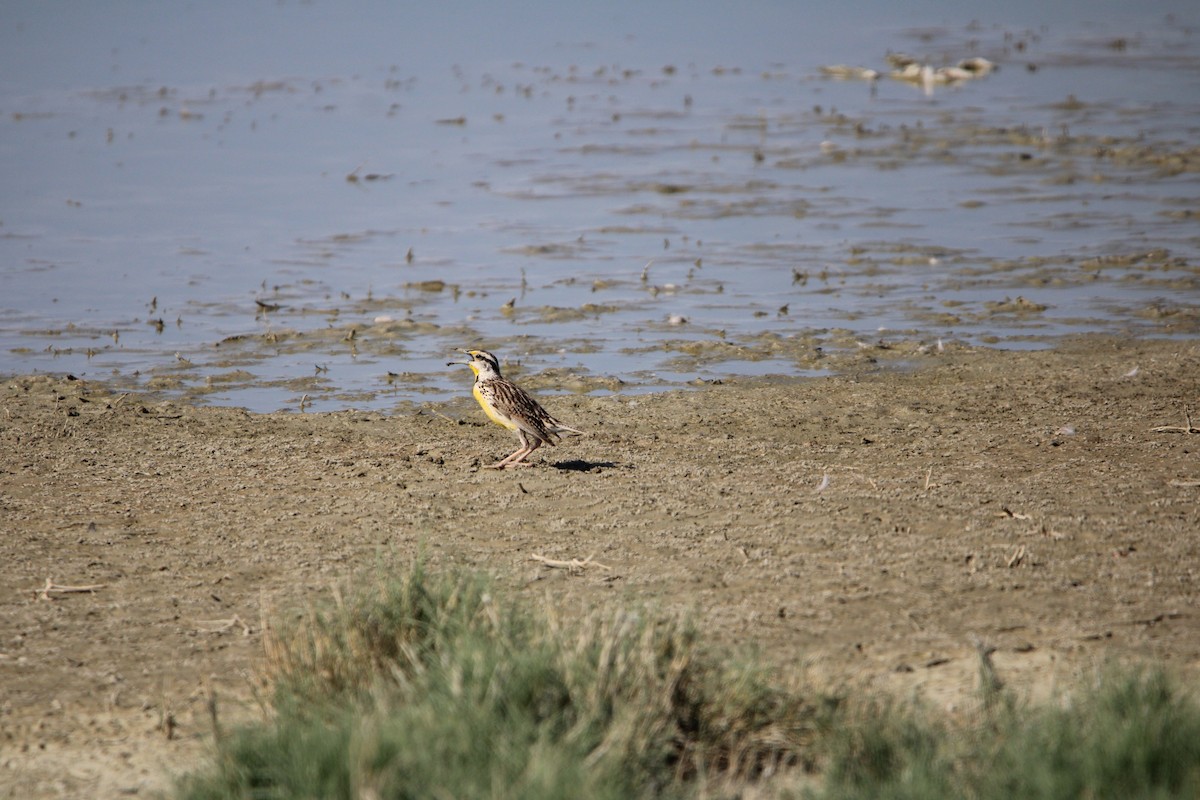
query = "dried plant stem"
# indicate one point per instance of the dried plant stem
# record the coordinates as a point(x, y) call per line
point(1187, 429)
point(53, 588)
point(574, 566)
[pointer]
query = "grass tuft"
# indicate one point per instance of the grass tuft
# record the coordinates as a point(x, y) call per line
point(1131, 734)
point(432, 687)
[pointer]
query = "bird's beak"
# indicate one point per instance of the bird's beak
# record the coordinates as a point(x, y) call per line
point(467, 361)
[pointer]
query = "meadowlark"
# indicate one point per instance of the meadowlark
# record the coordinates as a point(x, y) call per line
point(509, 405)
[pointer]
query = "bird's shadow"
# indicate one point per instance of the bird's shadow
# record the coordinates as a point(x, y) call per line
point(579, 465)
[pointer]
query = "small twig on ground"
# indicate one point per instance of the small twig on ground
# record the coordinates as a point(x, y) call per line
point(222, 625)
point(53, 588)
point(1017, 558)
point(1182, 484)
point(1188, 429)
point(574, 566)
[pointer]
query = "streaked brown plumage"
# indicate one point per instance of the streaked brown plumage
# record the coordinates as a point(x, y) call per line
point(509, 405)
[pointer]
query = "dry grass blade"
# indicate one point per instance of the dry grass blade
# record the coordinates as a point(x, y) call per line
point(52, 588)
point(222, 625)
point(573, 566)
point(1189, 428)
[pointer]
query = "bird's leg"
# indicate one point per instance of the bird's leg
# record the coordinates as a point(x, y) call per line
point(507, 461)
point(512, 458)
point(520, 461)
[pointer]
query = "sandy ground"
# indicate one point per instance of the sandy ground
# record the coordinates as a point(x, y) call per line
point(867, 528)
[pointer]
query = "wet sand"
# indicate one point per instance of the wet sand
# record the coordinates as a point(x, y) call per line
point(869, 528)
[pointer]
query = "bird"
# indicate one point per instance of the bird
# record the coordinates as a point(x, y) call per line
point(509, 405)
point(847, 72)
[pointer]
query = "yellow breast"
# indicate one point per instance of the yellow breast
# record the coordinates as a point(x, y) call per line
point(493, 415)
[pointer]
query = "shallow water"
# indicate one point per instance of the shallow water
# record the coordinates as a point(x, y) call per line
point(280, 205)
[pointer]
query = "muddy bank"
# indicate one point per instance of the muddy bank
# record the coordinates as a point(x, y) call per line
point(868, 527)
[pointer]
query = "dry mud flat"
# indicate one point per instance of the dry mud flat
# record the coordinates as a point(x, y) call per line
point(868, 528)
